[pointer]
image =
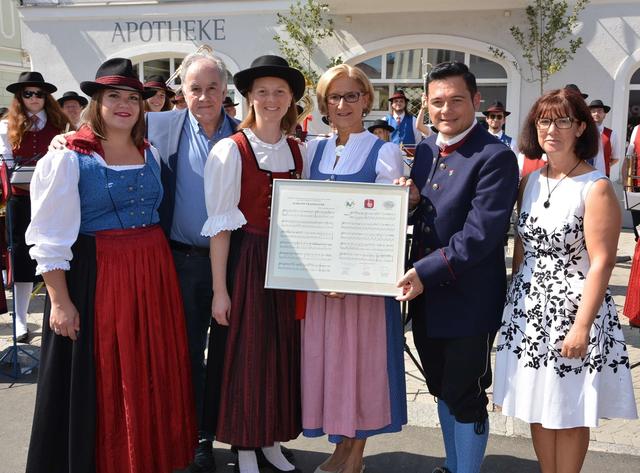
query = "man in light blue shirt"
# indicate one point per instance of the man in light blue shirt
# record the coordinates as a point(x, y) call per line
point(184, 139)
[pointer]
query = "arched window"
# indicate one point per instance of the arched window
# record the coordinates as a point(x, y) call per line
point(633, 118)
point(405, 69)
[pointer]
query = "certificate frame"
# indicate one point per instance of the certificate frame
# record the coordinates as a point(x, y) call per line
point(312, 220)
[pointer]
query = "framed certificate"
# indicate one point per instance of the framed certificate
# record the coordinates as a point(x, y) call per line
point(337, 237)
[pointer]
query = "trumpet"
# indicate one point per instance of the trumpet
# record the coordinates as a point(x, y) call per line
point(176, 73)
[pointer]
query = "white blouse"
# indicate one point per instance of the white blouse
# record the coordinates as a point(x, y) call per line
point(354, 155)
point(223, 175)
point(55, 207)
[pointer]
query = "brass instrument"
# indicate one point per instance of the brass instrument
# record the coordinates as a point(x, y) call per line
point(204, 47)
point(631, 175)
point(306, 102)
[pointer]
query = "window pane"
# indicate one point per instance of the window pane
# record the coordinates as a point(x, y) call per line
point(404, 64)
point(380, 97)
point(176, 62)
point(485, 69)
point(413, 93)
point(436, 56)
point(155, 67)
point(634, 110)
point(635, 78)
point(372, 67)
point(490, 93)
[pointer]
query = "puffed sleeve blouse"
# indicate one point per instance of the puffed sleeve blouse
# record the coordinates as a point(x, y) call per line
point(223, 175)
point(55, 207)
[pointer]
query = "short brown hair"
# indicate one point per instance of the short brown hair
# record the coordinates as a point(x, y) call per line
point(555, 104)
point(343, 70)
point(91, 116)
point(287, 123)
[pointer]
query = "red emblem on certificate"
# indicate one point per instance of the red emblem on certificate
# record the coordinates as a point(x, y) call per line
point(369, 203)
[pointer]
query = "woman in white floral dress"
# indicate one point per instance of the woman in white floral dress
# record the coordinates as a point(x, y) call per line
point(562, 363)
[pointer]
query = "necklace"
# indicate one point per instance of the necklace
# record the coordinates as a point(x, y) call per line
point(550, 191)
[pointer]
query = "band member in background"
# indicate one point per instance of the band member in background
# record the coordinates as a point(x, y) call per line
point(161, 100)
point(34, 118)
point(72, 105)
point(496, 117)
point(608, 138)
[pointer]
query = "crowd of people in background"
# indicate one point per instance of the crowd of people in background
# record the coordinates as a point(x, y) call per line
point(146, 213)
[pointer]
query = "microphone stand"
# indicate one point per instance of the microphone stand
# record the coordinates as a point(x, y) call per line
point(12, 355)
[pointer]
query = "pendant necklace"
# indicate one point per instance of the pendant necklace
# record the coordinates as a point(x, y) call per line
point(550, 191)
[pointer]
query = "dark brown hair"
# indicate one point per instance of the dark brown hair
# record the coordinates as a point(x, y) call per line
point(92, 117)
point(166, 106)
point(555, 104)
point(19, 123)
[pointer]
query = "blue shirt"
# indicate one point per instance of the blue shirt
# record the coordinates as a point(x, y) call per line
point(190, 211)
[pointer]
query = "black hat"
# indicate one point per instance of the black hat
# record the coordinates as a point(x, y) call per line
point(72, 95)
point(116, 73)
point(574, 88)
point(31, 79)
point(496, 107)
point(598, 104)
point(227, 102)
point(270, 66)
point(158, 83)
point(381, 124)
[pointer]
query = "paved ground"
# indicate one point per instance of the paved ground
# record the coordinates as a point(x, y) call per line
point(417, 449)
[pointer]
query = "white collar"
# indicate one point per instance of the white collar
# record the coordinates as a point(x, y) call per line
point(42, 118)
point(441, 142)
point(398, 116)
point(497, 135)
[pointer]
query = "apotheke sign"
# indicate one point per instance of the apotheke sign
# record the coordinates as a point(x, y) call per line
point(211, 29)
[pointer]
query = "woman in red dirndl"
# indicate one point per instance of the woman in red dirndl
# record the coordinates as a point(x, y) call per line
point(114, 389)
point(259, 383)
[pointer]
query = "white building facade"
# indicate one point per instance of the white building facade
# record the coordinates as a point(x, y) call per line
point(391, 41)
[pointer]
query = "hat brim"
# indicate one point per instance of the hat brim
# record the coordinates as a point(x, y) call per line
point(487, 112)
point(387, 127)
point(606, 108)
point(170, 93)
point(90, 88)
point(230, 105)
point(81, 100)
point(243, 79)
point(16, 86)
point(391, 99)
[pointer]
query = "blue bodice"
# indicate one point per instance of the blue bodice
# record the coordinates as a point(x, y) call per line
point(366, 174)
point(111, 199)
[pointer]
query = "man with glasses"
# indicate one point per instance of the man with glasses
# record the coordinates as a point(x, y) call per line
point(496, 117)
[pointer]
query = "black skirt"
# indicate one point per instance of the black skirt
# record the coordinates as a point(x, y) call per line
point(63, 432)
point(24, 268)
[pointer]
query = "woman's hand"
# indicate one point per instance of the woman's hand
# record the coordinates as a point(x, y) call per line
point(411, 286)
point(414, 193)
point(576, 342)
point(65, 320)
point(59, 141)
point(333, 295)
point(221, 307)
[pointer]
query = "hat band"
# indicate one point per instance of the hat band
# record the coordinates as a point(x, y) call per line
point(120, 80)
point(155, 85)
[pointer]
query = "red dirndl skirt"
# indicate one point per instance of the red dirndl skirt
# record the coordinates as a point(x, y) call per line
point(145, 412)
point(632, 301)
point(260, 385)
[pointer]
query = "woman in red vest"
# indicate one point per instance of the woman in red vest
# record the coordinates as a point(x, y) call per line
point(259, 380)
point(34, 119)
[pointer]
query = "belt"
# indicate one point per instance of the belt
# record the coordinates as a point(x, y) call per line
point(189, 250)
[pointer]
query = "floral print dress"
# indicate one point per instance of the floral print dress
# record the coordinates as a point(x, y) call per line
point(533, 381)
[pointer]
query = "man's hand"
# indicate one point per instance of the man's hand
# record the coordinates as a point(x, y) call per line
point(411, 286)
point(414, 193)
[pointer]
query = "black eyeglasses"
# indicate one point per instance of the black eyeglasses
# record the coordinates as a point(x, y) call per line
point(27, 94)
point(561, 123)
point(349, 97)
point(495, 117)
